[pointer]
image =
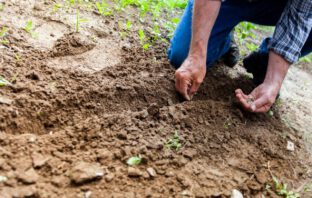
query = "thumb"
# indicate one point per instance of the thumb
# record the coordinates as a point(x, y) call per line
point(194, 88)
point(258, 104)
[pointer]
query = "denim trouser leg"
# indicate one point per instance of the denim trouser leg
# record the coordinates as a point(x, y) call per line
point(265, 12)
point(219, 40)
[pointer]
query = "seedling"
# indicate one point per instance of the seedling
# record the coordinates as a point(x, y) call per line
point(306, 59)
point(174, 142)
point(4, 82)
point(79, 21)
point(1, 6)
point(142, 40)
point(134, 161)
point(103, 8)
point(227, 124)
point(128, 25)
point(3, 33)
point(281, 189)
point(18, 57)
point(308, 188)
point(29, 29)
point(56, 7)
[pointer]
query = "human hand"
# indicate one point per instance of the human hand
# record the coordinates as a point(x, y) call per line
point(261, 99)
point(190, 76)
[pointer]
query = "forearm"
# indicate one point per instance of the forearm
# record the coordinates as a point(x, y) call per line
point(277, 69)
point(204, 17)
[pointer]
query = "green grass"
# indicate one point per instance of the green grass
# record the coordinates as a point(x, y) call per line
point(4, 82)
point(29, 28)
point(174, 143)
point(153, 15)
point(281, 189)
point(3, 33)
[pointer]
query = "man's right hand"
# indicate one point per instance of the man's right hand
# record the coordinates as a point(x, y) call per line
point(190, 75)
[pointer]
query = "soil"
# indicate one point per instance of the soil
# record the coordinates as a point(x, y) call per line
point(81, 104)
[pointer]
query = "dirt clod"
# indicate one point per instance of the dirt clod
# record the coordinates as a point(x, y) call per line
point(151, 172)
point(28, 177)
point(134, 172)
point(85, 172)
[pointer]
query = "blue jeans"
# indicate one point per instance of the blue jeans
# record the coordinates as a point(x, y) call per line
point(232, 12)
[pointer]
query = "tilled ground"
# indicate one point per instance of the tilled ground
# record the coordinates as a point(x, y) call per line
point(81, 104)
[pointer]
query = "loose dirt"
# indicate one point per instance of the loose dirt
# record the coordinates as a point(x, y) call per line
point(81, 104)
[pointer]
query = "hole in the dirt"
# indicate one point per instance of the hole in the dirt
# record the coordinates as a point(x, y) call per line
point(75, 52)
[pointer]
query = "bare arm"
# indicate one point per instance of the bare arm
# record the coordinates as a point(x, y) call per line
point(204, 17)
point(192, 72)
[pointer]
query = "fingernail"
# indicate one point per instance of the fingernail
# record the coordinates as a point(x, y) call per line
point(253, 107)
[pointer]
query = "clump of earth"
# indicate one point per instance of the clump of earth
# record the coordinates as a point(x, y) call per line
point(85, 103)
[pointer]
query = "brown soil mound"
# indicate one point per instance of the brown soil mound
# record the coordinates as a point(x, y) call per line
point(69, 133)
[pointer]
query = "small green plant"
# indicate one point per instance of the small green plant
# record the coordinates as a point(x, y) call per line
point(134, 161)
point(56, 8)
point(306, 59)
point(227, 124)
point(308, 187)
point(18, 57)
point(1, 6)
point(29, 29)
point(103, 8)
point(174, 142)
point(128, 25)
point(4, 82)
point(281, 189)
point(79, 21)
point(3, 33)
point(271, 113)
point(143, 39)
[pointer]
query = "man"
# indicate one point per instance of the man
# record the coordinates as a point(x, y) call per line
point(210, 22)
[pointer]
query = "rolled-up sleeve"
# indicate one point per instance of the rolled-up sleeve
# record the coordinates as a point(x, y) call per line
point(292, 30)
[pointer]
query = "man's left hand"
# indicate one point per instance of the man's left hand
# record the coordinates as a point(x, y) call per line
point(261, 99)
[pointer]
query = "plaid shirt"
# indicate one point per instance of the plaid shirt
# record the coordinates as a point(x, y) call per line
point(292, 30)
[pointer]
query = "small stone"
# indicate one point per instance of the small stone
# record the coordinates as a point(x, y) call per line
point(186, 193)
point(28, 177)
point(87, 194)
point(290, 146)
point(143, 114)
point(6, 101)
point(109, 177)
point(32, 138)
point(236, 194)
point(134, 172)
point(85, 172)
point(200, 120)
point(3, 178)
point(169, 174)
point(190, 153)
point(60, 181)
point(261, 177)
point(151, 172)
point(39, 160)
point(25, 191)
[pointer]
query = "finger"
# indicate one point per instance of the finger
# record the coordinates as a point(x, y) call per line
point(184, 84)
point(239, 92)
point(194, 88)
point(263, 109)
point(259, 103)
point(242, 98)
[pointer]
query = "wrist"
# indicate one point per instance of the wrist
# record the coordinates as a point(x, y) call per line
point(198, 50)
